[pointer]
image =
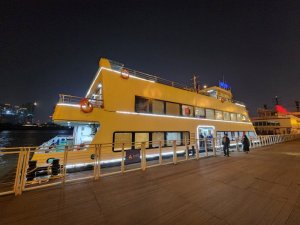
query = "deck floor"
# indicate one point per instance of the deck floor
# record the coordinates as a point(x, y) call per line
point(262, 187)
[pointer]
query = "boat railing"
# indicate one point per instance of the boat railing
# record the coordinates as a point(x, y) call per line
point(120, 67)
point(70, 99)
point(30, 168)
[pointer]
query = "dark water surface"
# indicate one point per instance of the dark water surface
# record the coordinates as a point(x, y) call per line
point(21, 138)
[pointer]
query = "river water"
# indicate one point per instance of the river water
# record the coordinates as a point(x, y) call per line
point(22, 138)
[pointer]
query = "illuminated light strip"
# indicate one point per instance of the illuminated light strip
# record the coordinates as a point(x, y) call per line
point(131, 76)
point(120, 160)
point(96, 77)
point(179, 117)
point(115, 71)
point(240, 104)
point(66, 104)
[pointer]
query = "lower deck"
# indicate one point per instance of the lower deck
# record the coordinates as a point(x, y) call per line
point(243, 189)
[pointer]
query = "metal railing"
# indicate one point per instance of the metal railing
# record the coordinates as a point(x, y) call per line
point(70, 99)
point(19, 173)
point(120, 67)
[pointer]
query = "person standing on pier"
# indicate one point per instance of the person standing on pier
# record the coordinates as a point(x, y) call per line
point(246, 143)
point(226, 144)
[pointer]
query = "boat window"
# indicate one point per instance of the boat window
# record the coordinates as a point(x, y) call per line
point(264, 123)
point(244, 118)
point(141, 137)
point(210, 113)
point(219, 115)
point(171, 136)
point(142, 105)
point(233, 116)
point(172, 109)
point(187, 110)
point(186, 137)
point(120, 138)
point(199, 112)
point(239, 117)
point(226, 115)
point(156, 138)
point(158, 107)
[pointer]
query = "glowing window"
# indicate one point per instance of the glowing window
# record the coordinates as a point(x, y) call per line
point(173, 136)
point(219, 115)
point(199, 112)
point(226, 115)
point(158, 107)
point(210, 113)
point(187, 110)
point(142, 105)
point(121, 138)
point(139, 138)
point(156, 138)
point(233, 116)
point(172, 109)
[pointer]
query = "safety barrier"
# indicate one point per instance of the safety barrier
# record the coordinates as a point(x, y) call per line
point(28, 168)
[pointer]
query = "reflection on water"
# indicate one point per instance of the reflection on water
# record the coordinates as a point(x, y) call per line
point(22, 138)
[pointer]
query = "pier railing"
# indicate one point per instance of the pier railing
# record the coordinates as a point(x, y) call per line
point(29, 168)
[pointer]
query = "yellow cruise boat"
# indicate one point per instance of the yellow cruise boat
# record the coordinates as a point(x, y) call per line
point(124, 107)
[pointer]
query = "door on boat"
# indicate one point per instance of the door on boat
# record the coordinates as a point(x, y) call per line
point(207, 132)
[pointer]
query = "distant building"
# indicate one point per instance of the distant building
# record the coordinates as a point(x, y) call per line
point(276, 121)
point(13, 114)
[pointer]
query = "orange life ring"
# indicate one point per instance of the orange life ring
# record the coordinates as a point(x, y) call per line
point(223, 100)
point(124, 74)
point(86, 106)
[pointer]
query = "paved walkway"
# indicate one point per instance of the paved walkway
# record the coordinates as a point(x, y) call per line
point(262, 187)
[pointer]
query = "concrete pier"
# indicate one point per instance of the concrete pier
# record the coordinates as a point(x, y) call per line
point(262, 187)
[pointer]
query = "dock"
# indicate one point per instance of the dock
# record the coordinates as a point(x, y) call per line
point(262, 187)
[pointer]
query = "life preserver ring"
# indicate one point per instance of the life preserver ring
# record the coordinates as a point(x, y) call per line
point(86, 106)
point(223, 100)
point(124, 74)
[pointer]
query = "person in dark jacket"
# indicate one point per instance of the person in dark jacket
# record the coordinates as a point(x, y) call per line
point(226, 144)
point(246, 143)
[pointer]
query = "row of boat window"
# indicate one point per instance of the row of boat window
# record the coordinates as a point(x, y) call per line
point(132, 140)
point(145, 105)
point(266, 123)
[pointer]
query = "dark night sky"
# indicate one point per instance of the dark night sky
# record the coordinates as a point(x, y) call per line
point(52, 47)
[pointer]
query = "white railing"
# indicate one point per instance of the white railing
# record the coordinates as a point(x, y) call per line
point(94, 161)
point(70, 99)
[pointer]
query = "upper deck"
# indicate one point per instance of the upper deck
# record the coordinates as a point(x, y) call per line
point(214, 92)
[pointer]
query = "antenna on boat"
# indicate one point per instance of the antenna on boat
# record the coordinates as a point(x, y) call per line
point(196, 84)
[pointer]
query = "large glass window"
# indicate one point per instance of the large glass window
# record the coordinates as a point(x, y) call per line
point(219, 115)
point(233, 116)
point(239, 117)
point(210, 113)
point(226, 115)
point(172, 136)
point(199, 112)
point(172, 109)
point(121, 138)
point(158, 107)
point(187, 111)
point(142, 105)
point(186, 137)
point(141, 137)
point(244, 118)
point(156, 138)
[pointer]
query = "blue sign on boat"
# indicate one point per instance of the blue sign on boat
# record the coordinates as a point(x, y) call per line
point(224, 85)
point(132, 156)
